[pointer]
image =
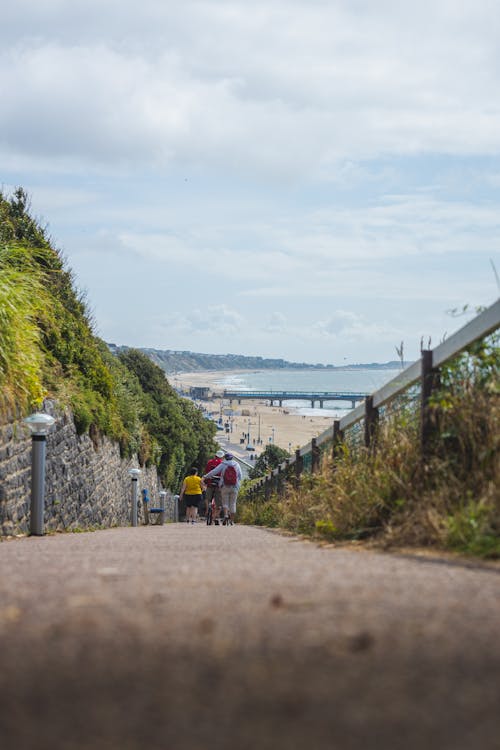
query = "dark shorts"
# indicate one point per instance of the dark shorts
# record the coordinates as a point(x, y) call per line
point(213, 492)
point(192, 501)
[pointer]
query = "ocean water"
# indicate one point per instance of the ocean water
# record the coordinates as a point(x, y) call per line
point(362, 381)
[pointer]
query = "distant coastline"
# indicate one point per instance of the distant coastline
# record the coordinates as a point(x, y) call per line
point(172, 361)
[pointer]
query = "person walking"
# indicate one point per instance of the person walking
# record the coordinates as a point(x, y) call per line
point(230, 477)
point(212, 485)
point(192, 489)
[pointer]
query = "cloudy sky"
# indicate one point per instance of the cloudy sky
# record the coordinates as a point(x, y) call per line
point(317, 180)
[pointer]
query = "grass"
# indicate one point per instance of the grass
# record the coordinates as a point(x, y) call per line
point(22, 299)
point(391, 495)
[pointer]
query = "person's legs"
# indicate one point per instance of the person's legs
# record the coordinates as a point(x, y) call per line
point(232, 495)
point(218, 504)
point(209, 493)
point(226, 494)
point(190, 509)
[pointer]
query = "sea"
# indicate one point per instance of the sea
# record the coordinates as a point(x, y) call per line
point(358, 380)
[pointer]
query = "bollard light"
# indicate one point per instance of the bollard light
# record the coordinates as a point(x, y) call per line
point(39, 425)
point(134, 474)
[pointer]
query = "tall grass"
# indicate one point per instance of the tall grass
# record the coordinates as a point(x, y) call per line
point(391, 495)
point(22, 301)
point(48, 348)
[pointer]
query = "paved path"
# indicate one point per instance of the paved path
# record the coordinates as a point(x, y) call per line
point(184, 637)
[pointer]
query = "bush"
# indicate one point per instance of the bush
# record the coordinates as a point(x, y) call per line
point(391, 495)
point(22, 299)
point(48, 349)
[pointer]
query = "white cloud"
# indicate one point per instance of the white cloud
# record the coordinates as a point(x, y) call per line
point(291, 158)
point(215, 321)
point(330, 81)
point(345, 325)
point(276, 323)
point(395, 227)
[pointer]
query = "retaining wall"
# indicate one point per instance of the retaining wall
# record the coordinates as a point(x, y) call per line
point(86, 481)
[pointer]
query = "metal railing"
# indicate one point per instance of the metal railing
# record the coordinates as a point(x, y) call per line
point(364, 417)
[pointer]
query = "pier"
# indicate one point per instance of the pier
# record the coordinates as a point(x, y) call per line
point(281, 396)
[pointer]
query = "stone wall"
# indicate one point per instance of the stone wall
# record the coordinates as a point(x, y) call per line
point(86, 481)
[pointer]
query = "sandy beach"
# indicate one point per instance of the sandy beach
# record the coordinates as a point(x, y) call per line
point(283, 426)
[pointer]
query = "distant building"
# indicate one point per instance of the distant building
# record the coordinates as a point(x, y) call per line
point(199, 392)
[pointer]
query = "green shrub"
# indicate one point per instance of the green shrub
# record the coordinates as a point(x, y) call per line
point(22, 297)
point(259, 512)
point(48, 348)
point(391, 495)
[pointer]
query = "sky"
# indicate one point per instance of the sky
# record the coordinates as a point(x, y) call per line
point(316, 180)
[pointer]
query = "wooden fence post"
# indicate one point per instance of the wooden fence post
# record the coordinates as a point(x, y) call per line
point(267, 487)
point(338, 437)
point(429, 382)
point(275, 479)
point(262, 489)
point(279, 480)
point(315, 456)
point(286, 475)
point(299, 464)
point(371, 421)
point(284, 471)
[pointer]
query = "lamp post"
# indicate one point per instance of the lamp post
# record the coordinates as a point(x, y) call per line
point(249, 445)
point(163, 495)
point(39, 425)
point(134, 474)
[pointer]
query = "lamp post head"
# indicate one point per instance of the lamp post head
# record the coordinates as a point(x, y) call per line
point(163, 493)
point(39, 423)
point(134, 473)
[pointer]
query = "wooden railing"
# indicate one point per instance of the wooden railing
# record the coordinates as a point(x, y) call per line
point(424, 372)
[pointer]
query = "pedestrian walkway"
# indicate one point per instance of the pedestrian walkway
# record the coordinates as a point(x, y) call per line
point(183, 637)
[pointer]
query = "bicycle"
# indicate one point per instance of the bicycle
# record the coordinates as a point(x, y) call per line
point(210, 512)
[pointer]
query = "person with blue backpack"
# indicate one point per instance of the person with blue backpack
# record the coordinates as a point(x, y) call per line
point(230, 477)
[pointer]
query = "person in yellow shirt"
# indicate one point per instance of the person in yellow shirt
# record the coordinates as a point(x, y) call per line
point(192, 488)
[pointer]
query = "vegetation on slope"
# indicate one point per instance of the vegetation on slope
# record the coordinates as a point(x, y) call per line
point(392, 496)
point(48, 349)
point(183, 436)
point(271, 457)
point(175, 361)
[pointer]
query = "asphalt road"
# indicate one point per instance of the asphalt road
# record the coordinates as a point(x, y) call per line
point(184, 637)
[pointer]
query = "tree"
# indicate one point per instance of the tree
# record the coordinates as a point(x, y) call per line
point(269, 459)
point(174, 425)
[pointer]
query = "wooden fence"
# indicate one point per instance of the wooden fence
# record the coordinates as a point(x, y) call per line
point(424, 372)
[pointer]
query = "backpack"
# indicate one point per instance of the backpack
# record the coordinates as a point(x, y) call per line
point(230, 476)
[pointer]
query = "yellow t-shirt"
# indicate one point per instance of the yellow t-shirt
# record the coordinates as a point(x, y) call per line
point(193, 485)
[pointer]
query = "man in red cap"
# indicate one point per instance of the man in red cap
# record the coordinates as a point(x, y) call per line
point(213, 489)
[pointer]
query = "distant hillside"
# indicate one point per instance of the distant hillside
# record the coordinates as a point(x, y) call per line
point(181, 361)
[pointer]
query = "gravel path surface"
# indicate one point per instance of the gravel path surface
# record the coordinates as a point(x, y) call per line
point(183, 636)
